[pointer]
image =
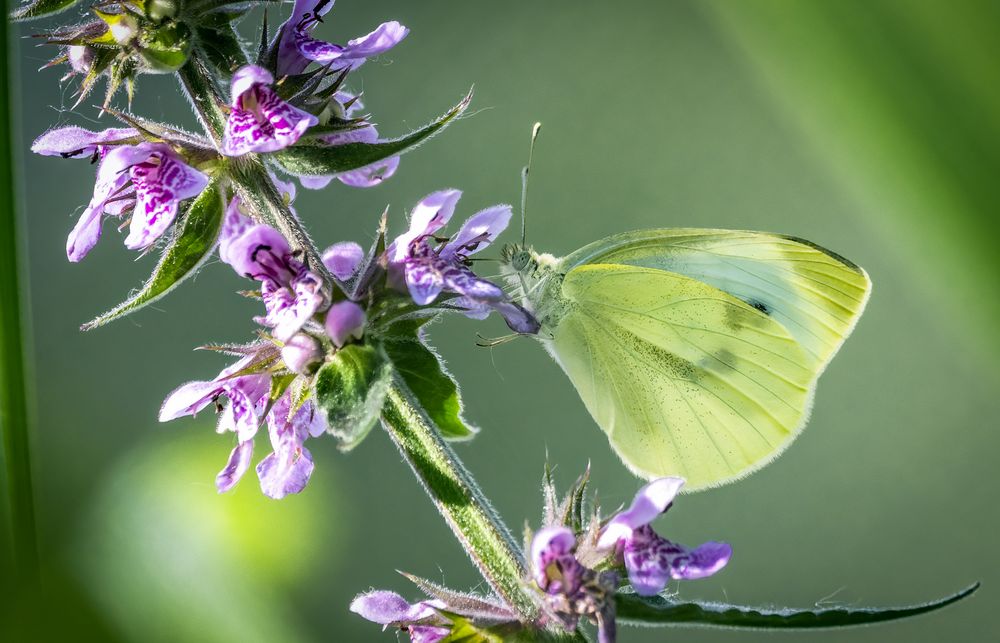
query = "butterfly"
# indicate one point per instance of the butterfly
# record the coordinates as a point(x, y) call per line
point(697, 351)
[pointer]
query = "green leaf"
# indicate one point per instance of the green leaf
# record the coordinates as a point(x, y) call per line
point(350, 391)
point(427, 379)
point(656, 610)
point(317, 160)
point(193, 242)
point(40, 9)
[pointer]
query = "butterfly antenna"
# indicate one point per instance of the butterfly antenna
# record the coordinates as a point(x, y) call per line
point(524, 183)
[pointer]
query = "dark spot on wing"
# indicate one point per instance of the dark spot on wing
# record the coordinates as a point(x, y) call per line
point(759, 305)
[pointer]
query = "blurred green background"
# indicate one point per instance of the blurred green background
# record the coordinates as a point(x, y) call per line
point(872, 128)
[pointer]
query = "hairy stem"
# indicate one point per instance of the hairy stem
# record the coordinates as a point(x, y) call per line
point(259, 194)
point(457, 496)
point(13, 391)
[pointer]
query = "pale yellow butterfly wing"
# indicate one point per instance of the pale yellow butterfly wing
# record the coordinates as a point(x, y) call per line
point(816, 294)
point(684, 378)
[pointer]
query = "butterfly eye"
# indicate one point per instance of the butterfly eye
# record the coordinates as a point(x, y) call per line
point(520, 260)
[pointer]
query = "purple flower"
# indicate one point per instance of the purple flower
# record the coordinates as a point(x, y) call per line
point(292, 294)
point(651, 560)
point(284, 471)
point(571, 589)
point(246, 394)
point(428, 268)
point(365, 177)
point(422, 620)
point(342, 259)
point(261, 121)
point(149, 179)
point(297, 48)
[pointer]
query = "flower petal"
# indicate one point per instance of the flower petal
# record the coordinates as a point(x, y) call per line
point(244, 79)
point(239, 462)
point(188, 399)
point(261, 121)
point(389, 608)
point(289, 319)
point(234, 225)
point(259, 253)
point(111, 179)
point(285, 472)
point(300, 352)
point(383, 38)
point(76, 142)
point(429, 216)
point(315, 182)
point(423, 282)
point(651, 560)
point(342, 259)
point(159, 188)
point(460, 279)
point(428, 633)
point(478, 231)
point(652, 500)
point(370, 175)
point(288, 468)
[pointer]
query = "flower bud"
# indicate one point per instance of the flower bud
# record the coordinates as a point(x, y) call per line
point(166, 48)
point(351, 389)
point(81, 58)
point(301, 353)
point(345, 320)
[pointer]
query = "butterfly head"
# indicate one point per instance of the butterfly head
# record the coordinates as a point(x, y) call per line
point(518, 258)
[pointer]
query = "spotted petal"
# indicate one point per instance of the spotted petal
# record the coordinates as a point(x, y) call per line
point(159, 189)
point(356, 51)
point(261, 121)
point(112, 176)
point(651, 561)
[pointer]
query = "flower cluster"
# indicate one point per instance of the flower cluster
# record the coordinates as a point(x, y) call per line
point(575, 570)
point(309, 327)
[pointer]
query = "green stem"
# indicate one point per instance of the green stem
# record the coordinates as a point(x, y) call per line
point(457, 496)
point(13, 391)
point(203, 92)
